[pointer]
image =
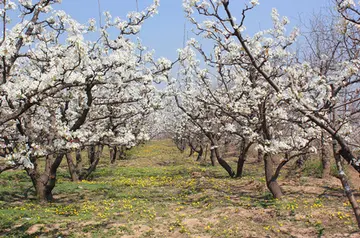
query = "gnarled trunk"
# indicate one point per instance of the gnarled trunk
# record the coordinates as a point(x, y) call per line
point(43, 192)
point(45, 182)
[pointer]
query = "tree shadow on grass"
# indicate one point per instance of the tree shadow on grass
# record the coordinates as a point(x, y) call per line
point(21, 231)
point(329, 192)
point(332, 192)
point(17, 232)
point(17, 196)
point(335, 192)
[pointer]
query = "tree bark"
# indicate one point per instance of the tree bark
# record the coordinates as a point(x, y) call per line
point(78, 160)
point(44, 183)
point(200, 153)
point(325, 160)
point(212, 157)
point(113, 154)
point(74, 173)
point(240, 166)
point(223, 163)
point(242, 158)
point(94, 161)
point(52, 175)
point(91, 153)
point(346, 185)
point(122, 152)
point(271, 181)
point(271, 178)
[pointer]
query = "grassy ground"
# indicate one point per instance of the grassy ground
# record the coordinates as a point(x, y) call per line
point(160, 192)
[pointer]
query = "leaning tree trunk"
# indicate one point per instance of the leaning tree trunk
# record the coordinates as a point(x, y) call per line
point(200, 153)
point(222, 162)
point(271, 180)
point(345, 183)
point(345, 151)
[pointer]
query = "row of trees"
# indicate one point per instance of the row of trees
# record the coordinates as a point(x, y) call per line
point(261, 90)
point(61, 93)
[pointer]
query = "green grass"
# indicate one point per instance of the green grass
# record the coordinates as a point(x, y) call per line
point(314, 167)
point(160, 192)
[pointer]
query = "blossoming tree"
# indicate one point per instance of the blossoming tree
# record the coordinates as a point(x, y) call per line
point(60, 91)
point(291, 88)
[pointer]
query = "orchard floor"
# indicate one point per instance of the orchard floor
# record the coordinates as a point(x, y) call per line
point(160, 192)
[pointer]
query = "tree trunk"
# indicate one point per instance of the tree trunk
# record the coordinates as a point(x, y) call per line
point(43, 192)
point(78, 160)
point(44, 183)
point(242, 157)
point(206, 151)
point(346, 185)
point(271, 181)
point(226, 146)
point(74, 173)
point(91, 153)
point(122, 152)
point(223, 163)
point(347, 155)
point(212, 157)
point(113, 154)
point(95, 158)
point(200, 153)
point(240, 165)
point(324, 158)
point(192, 150)
point(52, 175)
point(270, 176)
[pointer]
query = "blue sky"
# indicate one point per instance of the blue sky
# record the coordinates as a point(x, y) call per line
point(164, 32)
